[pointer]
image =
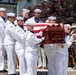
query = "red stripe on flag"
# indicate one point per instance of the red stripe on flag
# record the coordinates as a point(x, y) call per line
point(39, 24)
point(36, 31)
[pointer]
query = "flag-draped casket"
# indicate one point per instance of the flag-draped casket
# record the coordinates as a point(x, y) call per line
point(53, 33)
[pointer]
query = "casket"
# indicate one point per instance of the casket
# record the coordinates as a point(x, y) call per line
point(53, 33)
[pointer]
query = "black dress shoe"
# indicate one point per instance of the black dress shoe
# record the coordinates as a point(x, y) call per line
point(44, 67)
point(3, 71)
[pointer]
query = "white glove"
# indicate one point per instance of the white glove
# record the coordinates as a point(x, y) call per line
point(43, 38)
point(40, 33)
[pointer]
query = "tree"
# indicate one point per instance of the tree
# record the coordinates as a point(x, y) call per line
point(64, 10)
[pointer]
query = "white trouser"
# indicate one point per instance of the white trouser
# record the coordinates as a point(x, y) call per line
point(41, 58)
point(31, 62)
point(11, 55)
point(2, 53)
point(22, 62)
point(50, 53)
point(61, 64)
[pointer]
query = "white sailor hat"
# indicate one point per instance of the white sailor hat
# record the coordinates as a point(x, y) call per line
point(67, 26)
point(11, 14)
point(51, 18)
point(2, 9)
point(30, 23)
point(37, 10)
point(19, 18)
point(74, 25)
point(26, 10)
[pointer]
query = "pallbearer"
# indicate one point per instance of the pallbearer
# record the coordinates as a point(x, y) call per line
point(50, 51)
point(9, 43)
point(20, 44)
point(2, 27)
point(31, 49)
point(61, 55)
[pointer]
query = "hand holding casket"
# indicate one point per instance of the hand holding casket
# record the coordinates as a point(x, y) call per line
point(52, 33)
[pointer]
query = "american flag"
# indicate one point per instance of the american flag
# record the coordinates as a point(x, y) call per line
point(37, 28)
point(40, 26)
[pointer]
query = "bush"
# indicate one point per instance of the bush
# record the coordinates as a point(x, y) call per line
point(64, 10)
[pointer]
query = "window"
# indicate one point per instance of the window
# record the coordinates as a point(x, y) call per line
point(39, 1)
point(29, 0)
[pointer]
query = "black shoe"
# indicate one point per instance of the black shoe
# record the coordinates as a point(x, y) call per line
point(44, 67)
point(3, 71)
point(39, 67)
point(12, 74)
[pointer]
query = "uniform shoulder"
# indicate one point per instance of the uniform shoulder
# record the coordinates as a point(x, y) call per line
point(30, 19)
point(1, 20)
point(11, 25)
point(18, 29)
point(28, 32)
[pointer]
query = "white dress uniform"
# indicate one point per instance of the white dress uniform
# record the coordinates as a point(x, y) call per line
point(61, 56)
point(9, 43)
point(50, 53)
point(19, 48)
point(31, 55)
point(2, 34)
point(41, 53)
point(33, 20)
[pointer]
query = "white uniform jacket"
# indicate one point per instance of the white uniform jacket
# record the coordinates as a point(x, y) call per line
point(9, 33)
point(33, 20)
point(31, 41)
point(2, 50)
point(20, 48)
point(20, 37)
point(2, 33)
point(63, 48)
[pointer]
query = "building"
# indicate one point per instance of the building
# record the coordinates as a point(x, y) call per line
point(16, 6)
point(10, 5)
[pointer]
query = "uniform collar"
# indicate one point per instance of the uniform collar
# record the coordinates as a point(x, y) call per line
point(37, 20)
point(67, 34)
point(31, 31)
point(3, 18)
point(25, 19)
point(21, 27)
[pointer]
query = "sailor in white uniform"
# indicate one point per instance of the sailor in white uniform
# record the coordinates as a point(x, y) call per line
point(36, 17)
point(50, 51)
point(31, 49)
point(2, 35)
point(9, 43)
point(61, 56)
point(20, 45)
point(41, 53)
point(25, 14)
